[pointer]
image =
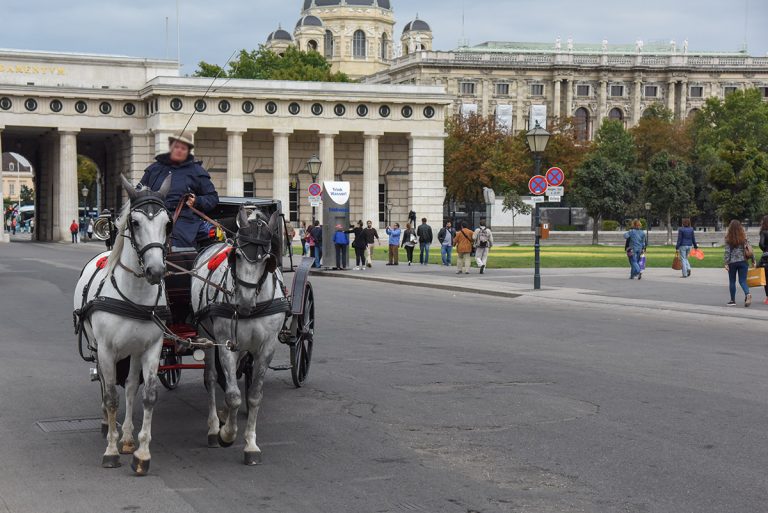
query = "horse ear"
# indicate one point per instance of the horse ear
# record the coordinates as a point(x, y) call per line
point(130, 189)
point(242, 218)
point(165, 187)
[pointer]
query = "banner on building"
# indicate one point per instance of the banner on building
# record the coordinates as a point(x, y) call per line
point(468, 109)
point(538, 115)
point(504, 116)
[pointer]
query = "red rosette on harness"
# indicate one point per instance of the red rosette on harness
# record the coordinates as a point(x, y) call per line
point(101, 263)
point(216, 261)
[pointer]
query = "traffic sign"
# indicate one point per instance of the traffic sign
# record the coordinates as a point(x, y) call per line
point(555, 191)
point(538, 199)
point(555, 176)
point(554, 199)
point(537, 185)
point(315, 189)
point(314, 201)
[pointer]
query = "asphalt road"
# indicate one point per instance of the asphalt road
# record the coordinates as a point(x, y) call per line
point(418, 400)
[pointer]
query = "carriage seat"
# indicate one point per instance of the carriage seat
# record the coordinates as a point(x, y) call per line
point(178, 286)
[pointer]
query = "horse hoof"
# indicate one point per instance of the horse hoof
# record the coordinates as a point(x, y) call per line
point(213, 441)
point(104, 430)
point(128, 448)
point(252, 458)
point(110, 461)
point(222, 442)
point(140, 467)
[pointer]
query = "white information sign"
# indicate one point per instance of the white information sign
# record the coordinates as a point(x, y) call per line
point(554, 199)
point(537, 199)
point(314, 201)
point(555, 191)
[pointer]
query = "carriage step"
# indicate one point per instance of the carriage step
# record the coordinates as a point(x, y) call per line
point(283, 367)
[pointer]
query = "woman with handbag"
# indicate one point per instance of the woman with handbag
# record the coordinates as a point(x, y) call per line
point(686, 239)
point(409, 242)
point(764, 248)
point(737, 253)
point(636, 245)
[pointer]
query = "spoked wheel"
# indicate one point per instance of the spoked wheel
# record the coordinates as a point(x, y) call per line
point(301, 350)
point(170, 378)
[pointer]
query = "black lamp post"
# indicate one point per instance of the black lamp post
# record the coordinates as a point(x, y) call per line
point(313, 167)
point(537, 143)
point(648, 223)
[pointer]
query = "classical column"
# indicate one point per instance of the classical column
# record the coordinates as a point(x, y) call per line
point(235, 163)
point(67, 181)
point(327, 156)
point(556, 98)
point(281, 168)
point(671, 96)
point(4, 237)
point(569, 98)
point(519, 114)
point(371, 177)
point(601, 103)
point(426, 187)
point(486, 107)
point(683, 99)
point(141, 155)
point(636, 99)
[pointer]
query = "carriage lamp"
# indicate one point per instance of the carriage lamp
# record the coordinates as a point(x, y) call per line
point(313, 166)
point(537, 139)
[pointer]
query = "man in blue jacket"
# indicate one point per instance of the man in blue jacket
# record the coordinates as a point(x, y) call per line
point(188, 177)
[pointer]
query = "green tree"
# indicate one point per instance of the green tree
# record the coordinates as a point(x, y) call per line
point(87, 171)
point(515, 204)
point(27, 195)
point(264, 64)
point(669, 187)
point(615, 144)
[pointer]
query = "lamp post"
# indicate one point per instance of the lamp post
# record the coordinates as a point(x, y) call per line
point(389, 211)
point(648, 207)
point(313, 167)
point(537, 142)
point(84, 192)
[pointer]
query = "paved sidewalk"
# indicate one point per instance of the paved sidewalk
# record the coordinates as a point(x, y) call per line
point(705, 292)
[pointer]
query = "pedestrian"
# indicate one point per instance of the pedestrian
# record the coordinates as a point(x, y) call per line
point(32, 225)
point(359, 245)
point(13, 226)
point(89, 230)
point(394, 244)
point(371, 238)
point(341, 245)
point(445, 237)
point(764, 247)
point(686, 239)
point(483, 243)
point(317, 242)
point(73, 229)
point(737, 253)
point(303, 237)
point(424, 233)
point(290, 235)
point(637, 244)
point(463, 243)
point(409, 242)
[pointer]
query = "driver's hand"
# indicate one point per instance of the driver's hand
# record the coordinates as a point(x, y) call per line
point(191, 200)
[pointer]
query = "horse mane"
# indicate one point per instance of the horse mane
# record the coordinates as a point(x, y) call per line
point(117, 248)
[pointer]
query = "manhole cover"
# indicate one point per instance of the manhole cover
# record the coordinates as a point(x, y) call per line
point(69, 425)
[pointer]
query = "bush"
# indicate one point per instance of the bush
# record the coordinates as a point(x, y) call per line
point(610, 226)
point(565, 228)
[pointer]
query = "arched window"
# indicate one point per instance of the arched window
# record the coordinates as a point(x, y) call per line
point(312, 45)
point(358, 45)
point(694, 112)
point(328, 44)
point(582, 124)
point(616, 113)
point(384, 47)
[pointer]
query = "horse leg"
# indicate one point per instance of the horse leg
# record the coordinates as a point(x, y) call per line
point(111, 458)
point(252, 455)
point(232, 398)
point(104, 418)
point(209, 377)
point(127, 443)
point(150, 360)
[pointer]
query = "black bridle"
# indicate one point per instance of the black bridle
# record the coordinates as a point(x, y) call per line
point(150, 205)
point(253, 242)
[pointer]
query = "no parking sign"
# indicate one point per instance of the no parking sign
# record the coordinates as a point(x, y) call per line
point(537, 185)
point(555, 176)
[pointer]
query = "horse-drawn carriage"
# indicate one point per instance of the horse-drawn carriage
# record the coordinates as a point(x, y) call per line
point(143, 308)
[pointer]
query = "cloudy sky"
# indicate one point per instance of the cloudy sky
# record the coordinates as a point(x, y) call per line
point(212, 30)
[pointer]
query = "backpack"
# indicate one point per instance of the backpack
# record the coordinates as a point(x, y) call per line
point(483, 238)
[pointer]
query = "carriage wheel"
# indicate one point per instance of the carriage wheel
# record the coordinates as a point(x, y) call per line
point(170, 378)
point(301, 350)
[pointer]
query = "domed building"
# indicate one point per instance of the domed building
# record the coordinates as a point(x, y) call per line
point(417, 37)
point(309, 34)
point(279, 41)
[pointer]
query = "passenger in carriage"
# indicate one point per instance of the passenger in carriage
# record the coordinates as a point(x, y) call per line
point(188, 177)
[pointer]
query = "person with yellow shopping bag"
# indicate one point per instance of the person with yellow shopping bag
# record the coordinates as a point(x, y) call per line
point(737, 252)
point(764, 247)
point(686, 239)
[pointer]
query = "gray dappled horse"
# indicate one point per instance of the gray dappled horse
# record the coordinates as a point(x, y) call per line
point(251, 317)
point(120, 307)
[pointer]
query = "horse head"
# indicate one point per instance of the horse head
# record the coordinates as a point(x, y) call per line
point(256, 247)
point(149, 226)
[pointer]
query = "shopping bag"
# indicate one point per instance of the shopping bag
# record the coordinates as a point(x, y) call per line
point(756, 277)
point(697, 254)
point(642, 262)
point(677, 264)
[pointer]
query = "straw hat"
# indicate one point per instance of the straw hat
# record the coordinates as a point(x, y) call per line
point(183, 138)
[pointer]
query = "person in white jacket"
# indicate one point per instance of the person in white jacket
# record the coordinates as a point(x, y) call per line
point(483, 241)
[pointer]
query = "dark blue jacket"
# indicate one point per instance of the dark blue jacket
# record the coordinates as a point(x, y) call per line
point(686, 237)
point(187, 177)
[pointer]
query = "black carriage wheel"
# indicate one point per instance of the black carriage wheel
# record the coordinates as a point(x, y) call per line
point(301, 350)
point(170, 378)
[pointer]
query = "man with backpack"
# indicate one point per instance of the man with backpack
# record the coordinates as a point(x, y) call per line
point(483, 241)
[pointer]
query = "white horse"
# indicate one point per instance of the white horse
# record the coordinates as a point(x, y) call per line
point(119, 305)
point(250, 317)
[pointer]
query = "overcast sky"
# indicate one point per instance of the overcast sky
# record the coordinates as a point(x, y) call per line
point(212, 30)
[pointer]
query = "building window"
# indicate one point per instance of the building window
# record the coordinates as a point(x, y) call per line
point(697, 91)
point(582, 124)
point(11, 189)
point(502, 89)
point(328, 44)
point(651, 91)
point(467, 88)
point(248, 190)
point(358, 45)
point(537, 89)
point(582, 90)
point(312, 45)
point(616, 113)
point(384, 47)
point(763, 91)
point(293, 201)
point(617, 91)
point(11, 166)
point(729, 89)
point(382, 203)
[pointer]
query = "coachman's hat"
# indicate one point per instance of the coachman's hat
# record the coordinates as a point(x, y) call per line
point(182, 138)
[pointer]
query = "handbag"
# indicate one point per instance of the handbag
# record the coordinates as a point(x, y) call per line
point(642, 261)
point(756, 277)
point(697, 254)
point(748, 253)
point(677, 264)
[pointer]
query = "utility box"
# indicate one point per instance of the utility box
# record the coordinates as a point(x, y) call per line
point(544, 230)
point(335, 212)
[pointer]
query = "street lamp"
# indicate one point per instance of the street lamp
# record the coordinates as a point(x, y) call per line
point(313, 167)
point(389, 211)
point(84, 192)
point(648, 207)
point(537, 143)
